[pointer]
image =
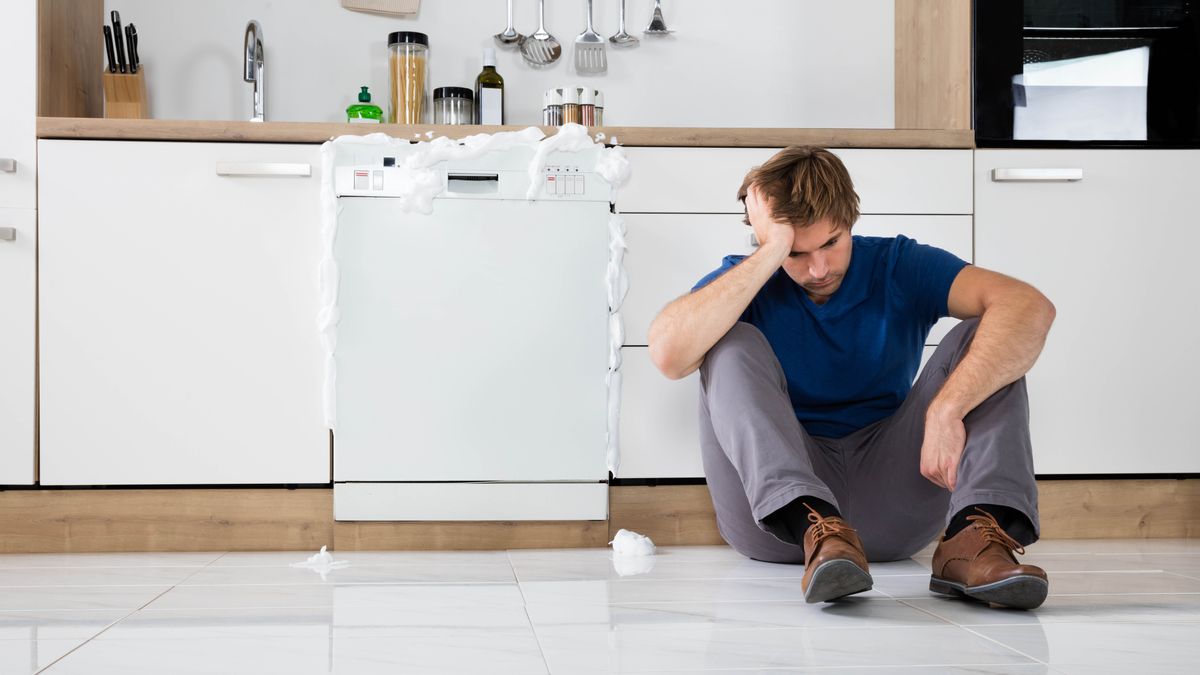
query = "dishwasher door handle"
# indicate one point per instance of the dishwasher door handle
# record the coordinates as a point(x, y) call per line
point(263, 169)
point(8, 165)
point(1036, 175)
point(8, 234)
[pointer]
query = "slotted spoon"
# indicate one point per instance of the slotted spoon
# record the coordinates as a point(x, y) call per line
point(541, 48)
point(590, 56)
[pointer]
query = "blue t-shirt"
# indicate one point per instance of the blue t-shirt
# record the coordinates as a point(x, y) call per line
point(851, 361)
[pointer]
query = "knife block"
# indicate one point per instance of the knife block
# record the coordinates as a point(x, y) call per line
point(125, 95)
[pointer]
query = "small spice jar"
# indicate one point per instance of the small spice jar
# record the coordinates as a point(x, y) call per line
point(552, 108)
point(453, 105)
point(571, 114)
point(599, 108)
point(587, 107)
point(408, 66)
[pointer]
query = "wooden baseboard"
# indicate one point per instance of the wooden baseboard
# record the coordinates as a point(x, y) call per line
point(266, 519)
point(78, 521)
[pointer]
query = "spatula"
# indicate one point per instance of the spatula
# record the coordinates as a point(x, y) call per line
point(590, 58)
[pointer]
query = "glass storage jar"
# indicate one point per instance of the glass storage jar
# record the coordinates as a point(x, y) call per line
point(453, 105)
point(408, 66)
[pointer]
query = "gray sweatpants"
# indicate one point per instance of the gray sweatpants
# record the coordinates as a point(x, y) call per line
point(758, 458)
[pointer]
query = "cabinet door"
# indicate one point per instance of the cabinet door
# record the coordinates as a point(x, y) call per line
point(660, 433)
point(1115, 388)
point(178, 314)
point(18, 241)
point(18, 105)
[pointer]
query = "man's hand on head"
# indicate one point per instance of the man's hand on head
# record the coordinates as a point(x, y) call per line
point(773, 235)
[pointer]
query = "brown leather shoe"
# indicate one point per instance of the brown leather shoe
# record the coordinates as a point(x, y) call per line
point(978, 562)
point(834, 562)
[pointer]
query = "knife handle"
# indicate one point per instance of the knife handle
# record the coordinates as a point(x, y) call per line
point(108, 46)
point(131, 45)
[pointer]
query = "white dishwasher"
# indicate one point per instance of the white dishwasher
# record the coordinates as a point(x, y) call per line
point(473, 342)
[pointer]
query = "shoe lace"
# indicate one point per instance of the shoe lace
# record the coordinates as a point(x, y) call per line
point(993, 532)
point(824, 528)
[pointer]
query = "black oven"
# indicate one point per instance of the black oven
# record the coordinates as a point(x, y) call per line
point(1066, 73)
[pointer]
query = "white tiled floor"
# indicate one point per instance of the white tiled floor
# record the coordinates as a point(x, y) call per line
point(1115, 606)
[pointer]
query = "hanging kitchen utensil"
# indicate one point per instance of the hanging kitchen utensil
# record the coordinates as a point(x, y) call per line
point(590, 57)
point(399, 7)
point(657, 25)
point(541, 48)
point(510, 37)
point(623, 39)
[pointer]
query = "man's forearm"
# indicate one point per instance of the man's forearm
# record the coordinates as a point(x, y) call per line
point(1007, 342)
point(688, 327)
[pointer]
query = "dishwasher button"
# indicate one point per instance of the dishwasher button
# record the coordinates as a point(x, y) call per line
point(578, 185)
point(377, 180)
point(551, 184)
point(360, 179)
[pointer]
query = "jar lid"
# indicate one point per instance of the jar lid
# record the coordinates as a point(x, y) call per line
point(599, 99)
point(454, 92)
point(407, 37)
point(587, 96)
point(552, 97)
point(570, 95)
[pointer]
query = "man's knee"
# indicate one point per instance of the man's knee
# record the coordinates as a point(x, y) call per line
point(741, 342)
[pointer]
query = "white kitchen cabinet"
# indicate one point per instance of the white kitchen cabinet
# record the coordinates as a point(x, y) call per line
point(1115, 388)
point(706, 180)
point(18, 106)
point(18, 253)
point(178, 314)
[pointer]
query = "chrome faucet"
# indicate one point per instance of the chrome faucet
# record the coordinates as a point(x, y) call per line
point(254, 57)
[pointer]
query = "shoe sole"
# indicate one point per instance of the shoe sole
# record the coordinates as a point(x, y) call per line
point(835, 579)
point(1020, 592)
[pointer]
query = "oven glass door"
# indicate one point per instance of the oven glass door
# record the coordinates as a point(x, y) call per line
point(1087, 70)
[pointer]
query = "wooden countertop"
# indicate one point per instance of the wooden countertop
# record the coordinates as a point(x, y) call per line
point(318, 132)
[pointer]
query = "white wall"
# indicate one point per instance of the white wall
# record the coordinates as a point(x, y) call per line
point(755, 63)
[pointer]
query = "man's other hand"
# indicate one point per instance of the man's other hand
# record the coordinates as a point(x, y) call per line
point(941, 451)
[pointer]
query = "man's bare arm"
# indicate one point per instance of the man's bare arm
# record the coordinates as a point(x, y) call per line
point(1014, 319)
point(686, 329)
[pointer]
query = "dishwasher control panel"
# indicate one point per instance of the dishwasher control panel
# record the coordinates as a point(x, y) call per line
point(558, 182)
point(564, 179)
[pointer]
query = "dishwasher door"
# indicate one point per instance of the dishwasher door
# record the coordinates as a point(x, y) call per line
point(473, 342)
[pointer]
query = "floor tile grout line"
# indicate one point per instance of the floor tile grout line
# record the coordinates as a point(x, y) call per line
point(114, 623)
point(1008, 647)
point(525, 608)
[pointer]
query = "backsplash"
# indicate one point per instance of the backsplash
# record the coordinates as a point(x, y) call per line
point(760, 63)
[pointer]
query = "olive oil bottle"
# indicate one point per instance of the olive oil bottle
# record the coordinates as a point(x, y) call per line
point(489, 92)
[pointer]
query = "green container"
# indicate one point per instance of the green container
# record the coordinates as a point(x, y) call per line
point(364, 112)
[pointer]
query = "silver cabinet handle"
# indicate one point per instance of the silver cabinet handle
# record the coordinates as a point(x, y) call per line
point(8, 234)
point(8, 164)
point(1036, 175)
point(262, 169)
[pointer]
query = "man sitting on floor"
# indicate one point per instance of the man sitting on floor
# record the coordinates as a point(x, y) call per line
point(810, 419)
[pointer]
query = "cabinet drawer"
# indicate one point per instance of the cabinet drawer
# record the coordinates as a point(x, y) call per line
point(706, 180)
point(669, 253)
point(660, 436)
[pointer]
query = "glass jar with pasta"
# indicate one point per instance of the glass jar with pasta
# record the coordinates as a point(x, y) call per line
point(408, 66)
